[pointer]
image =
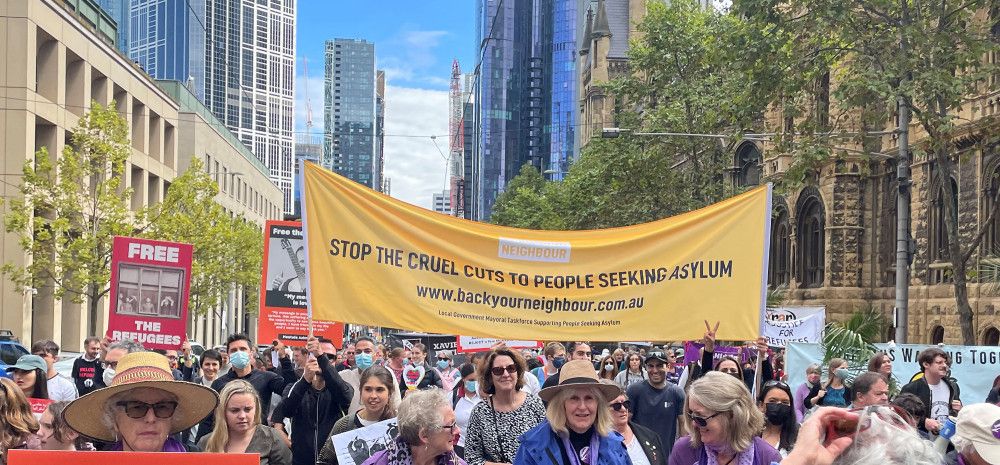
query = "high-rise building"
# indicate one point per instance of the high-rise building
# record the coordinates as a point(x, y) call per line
point(118, 10)
point(309, 148)
point(442, 202)
point(349, 109)
point(250, 77)
point(379, 180)
point(469, 192)
point(527, 93)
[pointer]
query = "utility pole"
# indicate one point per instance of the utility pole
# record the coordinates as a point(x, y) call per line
point(901, 312)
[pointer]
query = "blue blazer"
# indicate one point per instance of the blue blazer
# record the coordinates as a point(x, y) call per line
point(540, 446)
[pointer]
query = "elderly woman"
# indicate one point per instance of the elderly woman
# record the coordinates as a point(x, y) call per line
point(17, 423)
point(238, 428)
point(578, 426)
point(141, 407)
point(427, 432)
point(813, 373)
point(724, 423)
point(53, 432)
point(499, 420)
point(643, 444)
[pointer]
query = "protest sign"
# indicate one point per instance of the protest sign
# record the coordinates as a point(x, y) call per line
point(283, 314)
point(783, 325)
point(400, 266)
point(53, 457)
point(974, 367)
point(150, 282)
point(38, 406)
point(482, 344)
point(692, 352)
point(355, 446)
point(433, 342)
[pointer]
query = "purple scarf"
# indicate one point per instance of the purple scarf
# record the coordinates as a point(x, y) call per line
point(172, 445)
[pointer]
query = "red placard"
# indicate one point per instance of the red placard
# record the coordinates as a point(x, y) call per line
point(38, 405)
point(283, 314)
point(150, 286)
point(54, 457)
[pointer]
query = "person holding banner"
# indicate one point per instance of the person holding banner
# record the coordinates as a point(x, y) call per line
point(496, 423)
point(427, 432)
point(724, 423)
point(376, 386)
point(17, 423)
point(238, 428)
point(142, 407)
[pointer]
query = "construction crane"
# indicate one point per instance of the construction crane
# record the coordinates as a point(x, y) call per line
point(309, 111)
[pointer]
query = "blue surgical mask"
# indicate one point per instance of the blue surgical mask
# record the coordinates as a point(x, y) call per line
point(363, 360)
point(443, 364)
point(558, 362)
point(471, 386)
point(239, 360)
point(406, 361)
point(842, 373)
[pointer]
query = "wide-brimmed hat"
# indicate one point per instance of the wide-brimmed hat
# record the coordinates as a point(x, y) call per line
point(141, 370)
point(579, 373)
point(29, 363)
point(980, 425)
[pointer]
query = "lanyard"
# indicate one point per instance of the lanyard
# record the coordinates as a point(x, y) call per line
point(574, 457)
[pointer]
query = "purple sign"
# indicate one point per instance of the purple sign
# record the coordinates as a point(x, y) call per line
point(692, 349)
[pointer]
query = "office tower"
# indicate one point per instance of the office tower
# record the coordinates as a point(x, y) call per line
point(309, 148)
point(118, 10)
point(442, 202)
point(379, 180)
point(349, 108)
point(167, 39)
point(456, 173)
point(250, 77)
point(470, 160)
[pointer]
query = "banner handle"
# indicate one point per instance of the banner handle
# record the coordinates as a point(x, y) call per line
point(305, 240)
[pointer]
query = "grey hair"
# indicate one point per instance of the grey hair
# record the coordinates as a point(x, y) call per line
point(884, 438)
point(128, 345)
point(420, 412)
point(814, 368)
point(108, 410)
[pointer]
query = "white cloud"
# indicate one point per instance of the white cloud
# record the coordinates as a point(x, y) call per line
point(412, 58)
point(414, 165)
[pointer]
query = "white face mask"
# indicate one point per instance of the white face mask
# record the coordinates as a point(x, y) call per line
point(109, 375)
point(609, 367)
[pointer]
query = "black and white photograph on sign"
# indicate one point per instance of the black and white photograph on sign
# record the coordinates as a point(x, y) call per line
point(286, 271)
point(355, 446)
point(148, 290)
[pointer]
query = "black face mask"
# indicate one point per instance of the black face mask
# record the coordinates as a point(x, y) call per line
point(777, 413)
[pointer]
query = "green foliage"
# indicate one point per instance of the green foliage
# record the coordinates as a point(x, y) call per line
point(228, 250)
point(71, 208)
point(528, 202)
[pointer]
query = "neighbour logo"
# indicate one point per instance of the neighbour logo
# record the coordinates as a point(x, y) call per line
point(534, 251)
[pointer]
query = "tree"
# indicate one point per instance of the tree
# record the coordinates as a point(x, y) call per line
point(71, 208)
point(927, 56)
point(528, 202)
point(228, 250)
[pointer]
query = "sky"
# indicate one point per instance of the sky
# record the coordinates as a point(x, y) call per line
point(415, 43)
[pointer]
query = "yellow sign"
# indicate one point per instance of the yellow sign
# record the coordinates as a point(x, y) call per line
point(378, 261)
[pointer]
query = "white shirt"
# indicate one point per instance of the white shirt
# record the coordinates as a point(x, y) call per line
point(531, 385)
point(463, 411)
point(61, 389)
point(635, 452)
point(939, 400)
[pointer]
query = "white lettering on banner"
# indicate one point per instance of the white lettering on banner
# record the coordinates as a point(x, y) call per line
point(157, 253)
point(146, 338)
point(784, 325)
point(534, 251)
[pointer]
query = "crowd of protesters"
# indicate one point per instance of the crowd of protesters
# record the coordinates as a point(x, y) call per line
point(561, 405)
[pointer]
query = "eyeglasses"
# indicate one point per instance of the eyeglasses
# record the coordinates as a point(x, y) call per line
point(498, 371)
point(702, 421)
point(775, 383)
point(617, 406)
point(445, 359)
point(136, 409)
point(450, 428)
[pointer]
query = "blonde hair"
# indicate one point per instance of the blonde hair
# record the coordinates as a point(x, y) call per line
point(556, 410)
point(17, 420)
point(719, 392)
point(218, 438)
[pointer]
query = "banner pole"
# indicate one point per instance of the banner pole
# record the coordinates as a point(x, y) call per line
point(305, 240)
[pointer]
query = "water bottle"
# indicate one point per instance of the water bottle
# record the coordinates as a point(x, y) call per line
point(944, 435)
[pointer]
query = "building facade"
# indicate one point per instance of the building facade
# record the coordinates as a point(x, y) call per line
point(527, 91)
point(471, 179)
point(167, 39)
point(349, 110)
point(442, 202)
point(250, 78)
point(379, 180)
point(309, 148)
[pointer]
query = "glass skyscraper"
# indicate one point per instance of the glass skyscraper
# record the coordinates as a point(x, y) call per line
point(166, 38)
point(527, 92)
point(349, 108)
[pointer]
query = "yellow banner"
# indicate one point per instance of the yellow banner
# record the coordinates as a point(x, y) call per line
point(378, 261)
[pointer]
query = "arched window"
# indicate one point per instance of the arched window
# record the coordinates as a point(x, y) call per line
point(748, 163)
point(938, 234)
point(991, 243)
point(991, 337)
point(811, 235)
point(937, 335)
point(781, 247)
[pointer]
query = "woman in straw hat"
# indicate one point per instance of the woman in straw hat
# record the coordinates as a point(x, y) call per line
point(238, 428)
point(578, 428)
point(142, 406)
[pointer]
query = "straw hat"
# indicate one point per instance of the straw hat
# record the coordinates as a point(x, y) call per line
point(579, 373)
point(141, 370)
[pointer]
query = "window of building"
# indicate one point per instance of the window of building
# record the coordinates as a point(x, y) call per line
point(938, 234)
point(991, 337)
point(780, 261)
point(747, 165)
point(937, 335)
point(991, 243)
point(811, 238)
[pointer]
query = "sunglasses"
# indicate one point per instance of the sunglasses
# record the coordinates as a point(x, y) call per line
point(617, 406)
point(444, 359)
point(498, 371)
point(775, 383)
point(136, 409)
point(701, 421)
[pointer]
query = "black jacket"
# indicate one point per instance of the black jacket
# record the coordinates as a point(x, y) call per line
point(313, 413)
point(265, 382)
point(650, 442)
point(921, 389)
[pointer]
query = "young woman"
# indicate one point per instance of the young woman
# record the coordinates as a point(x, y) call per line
point(835, 393)
point(29, 373)
point(781, 429)
point(609, 369)
point(17, 424)
point(53, 432)
point(377, 384)
point(634, 372)
point(238, 429)
point(465, 398)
